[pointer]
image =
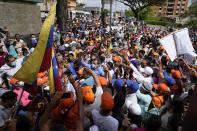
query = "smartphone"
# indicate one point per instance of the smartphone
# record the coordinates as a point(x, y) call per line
point(66, 95)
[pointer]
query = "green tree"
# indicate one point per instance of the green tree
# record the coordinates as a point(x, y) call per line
point(137, 6)
point(192, 23)
point(128, 13)
point(80, 6)
point(106, 12)
point(193, 10)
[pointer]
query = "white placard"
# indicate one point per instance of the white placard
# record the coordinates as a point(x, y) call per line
point(169, 45)
point(183, 42)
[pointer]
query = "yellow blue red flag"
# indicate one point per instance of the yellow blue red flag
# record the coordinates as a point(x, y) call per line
point(34, 64)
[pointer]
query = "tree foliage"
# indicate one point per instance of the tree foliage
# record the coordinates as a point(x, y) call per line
point(138, 5)
point(193, 10)
point(128, 13)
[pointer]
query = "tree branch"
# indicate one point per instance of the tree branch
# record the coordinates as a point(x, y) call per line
point(124, 3)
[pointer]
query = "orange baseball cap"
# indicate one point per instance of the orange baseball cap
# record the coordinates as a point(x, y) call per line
point(157, 101)
point(13, 81)
point(41, 81)
point(163, 87)
point(176, 74)
point(103, 81)
point(117, 59)
point(107, 102)
point(88, 94)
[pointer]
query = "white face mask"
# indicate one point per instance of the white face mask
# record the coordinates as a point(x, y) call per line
point(21, 83)
point(13, 64)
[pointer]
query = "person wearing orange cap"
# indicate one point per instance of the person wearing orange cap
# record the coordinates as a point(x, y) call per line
point(159, 89)
point(102, 118)
point(67, 110)
point(156, 103)
point(103, 81)
point(99, 91)
point(176, 74)
point(88, 95)
point(117, 59)
point(42, 78)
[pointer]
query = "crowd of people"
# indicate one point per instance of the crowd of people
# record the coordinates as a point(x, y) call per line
point(121, 80)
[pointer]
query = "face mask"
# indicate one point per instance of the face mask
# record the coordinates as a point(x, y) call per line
point(13, 64)
point(34, 41)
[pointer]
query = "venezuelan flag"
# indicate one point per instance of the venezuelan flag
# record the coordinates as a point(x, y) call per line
point(51, 80)
point(28, 72)
point(46, 62)
point(54, 77)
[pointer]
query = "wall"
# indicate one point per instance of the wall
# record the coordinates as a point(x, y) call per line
point(22, 18)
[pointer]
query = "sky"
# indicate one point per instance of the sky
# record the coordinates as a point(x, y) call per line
point(97, 3)
point(117, 6)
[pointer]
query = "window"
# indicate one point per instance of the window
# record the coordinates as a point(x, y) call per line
point(170, 10)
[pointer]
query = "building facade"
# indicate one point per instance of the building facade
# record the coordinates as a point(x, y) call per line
point(21, 17)
point(171, 8)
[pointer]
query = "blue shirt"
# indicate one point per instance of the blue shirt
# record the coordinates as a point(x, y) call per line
point(144, 100)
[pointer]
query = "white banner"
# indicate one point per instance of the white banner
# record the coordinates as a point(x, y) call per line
point(183, 42)
point(169, 45)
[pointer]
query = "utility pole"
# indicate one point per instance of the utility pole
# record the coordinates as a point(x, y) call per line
point(102, 13)
point(110, 16)
point(60, 14)
point(65, 13)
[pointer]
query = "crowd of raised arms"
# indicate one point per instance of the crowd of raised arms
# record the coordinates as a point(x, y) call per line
point(121, 80)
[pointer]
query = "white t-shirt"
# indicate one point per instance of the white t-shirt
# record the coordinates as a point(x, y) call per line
point(104, 123)
point(70, 87)
point(132, 104)
point(10, 71)
point(97, 101)
point(146, 81)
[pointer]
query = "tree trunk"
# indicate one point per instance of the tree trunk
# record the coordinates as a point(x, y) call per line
point(102, 13)
point(65, 14)
point(60, 14)
point(135, 12)
point(110, 24)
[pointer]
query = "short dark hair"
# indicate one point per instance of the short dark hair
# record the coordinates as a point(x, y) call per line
point(17, 34)
point(153, 123)
point(8, 96)
point(8, 57)
point(142, 52)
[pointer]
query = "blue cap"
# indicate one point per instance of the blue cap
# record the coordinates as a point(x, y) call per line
point(118, 83)
point(132, 85)
point(88, 82)
point(135, 63)
point(169, 79)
